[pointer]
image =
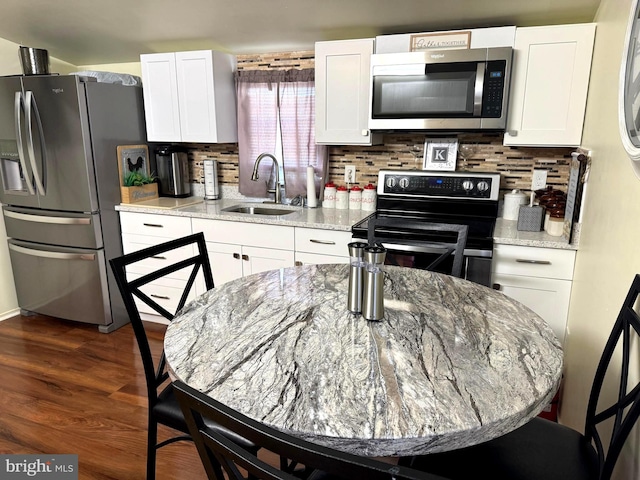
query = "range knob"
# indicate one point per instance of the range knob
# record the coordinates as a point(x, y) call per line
point(391, 182)
point(467, 185)
point(404, 182)
point(483, 186)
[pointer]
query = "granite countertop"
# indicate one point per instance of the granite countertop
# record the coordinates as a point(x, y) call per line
point(451, 364)
point(505, 233)
point(324, 218)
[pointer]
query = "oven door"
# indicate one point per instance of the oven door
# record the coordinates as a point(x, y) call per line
point(476, 266)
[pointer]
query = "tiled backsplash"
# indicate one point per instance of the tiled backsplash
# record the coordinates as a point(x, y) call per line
point(398, 151)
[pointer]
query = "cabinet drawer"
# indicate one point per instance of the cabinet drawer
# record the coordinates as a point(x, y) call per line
point(324, 242)
point(167, 292)
point(534, 261)
point(165, 226)
point(250, 234)
point(304, 258)
point(133, 243)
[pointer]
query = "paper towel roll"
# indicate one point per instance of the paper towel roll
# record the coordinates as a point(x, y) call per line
point(312, 199)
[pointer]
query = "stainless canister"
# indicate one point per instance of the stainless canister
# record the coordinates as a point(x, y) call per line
point(211, 189)
point(373, 295)
point(356, 276)
point(35, 61)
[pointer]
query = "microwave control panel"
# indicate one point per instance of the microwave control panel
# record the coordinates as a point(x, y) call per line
point(439, 185)
point(492, 94)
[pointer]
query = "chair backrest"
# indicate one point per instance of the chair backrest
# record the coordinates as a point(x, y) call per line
point(131, 289)
point(625, 411)
point(216, 450)
point(449, 239)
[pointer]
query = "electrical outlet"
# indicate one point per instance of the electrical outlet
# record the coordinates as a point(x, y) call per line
point(350, 173)
point(539, 179)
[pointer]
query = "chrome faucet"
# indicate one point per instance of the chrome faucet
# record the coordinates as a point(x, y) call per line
point(278, 187)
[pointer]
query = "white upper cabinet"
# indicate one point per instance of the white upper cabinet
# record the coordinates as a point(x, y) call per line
point(190, 97)
point(549, 83)
point(342, 79)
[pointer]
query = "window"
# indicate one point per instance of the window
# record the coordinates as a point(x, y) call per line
point(276, 115)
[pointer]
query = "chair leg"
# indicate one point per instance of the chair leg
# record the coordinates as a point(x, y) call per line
point(152, 438)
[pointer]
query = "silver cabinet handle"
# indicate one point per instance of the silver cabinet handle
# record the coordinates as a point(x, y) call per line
point(43, 219)
point(535, 262)
point(55, 255)
point(323, 242)
point(155, 225)
point(159, 257)
point(162, 297)
point(21, 153)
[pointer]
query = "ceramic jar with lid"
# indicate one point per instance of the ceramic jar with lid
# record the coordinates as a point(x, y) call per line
point(342, 198)
point(329, 200)
point(555, 223)
point(512, 202)
point(369, 198)
point(355, 198)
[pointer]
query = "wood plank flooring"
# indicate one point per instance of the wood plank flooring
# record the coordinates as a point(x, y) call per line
point(66, 388)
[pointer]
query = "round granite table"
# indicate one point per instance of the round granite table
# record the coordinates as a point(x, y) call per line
point(452, 363)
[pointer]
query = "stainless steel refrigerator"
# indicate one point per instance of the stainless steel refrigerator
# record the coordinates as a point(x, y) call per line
point(60, 183)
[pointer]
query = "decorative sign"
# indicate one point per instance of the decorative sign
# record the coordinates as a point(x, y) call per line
point(132, 158)
point(440, 154)
point(440, 41)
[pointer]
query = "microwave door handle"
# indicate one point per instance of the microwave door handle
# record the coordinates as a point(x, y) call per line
point(18, 108)
point(477, 97)
point(31, 106)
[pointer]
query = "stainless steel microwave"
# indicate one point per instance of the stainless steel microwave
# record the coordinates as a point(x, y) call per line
point(440, 90)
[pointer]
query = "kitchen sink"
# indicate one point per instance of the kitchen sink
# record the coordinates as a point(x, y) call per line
point(258, 210)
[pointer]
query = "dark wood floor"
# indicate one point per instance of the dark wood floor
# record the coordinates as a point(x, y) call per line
point(66, 388)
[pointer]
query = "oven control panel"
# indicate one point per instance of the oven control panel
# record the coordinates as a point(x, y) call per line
point(468, 185)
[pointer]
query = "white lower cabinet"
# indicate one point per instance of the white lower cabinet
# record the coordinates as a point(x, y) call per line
point(539, 278)
point(238, 249)
point(315, 246)
point(140, 230)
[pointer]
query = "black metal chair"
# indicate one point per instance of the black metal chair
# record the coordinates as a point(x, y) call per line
point(325, 463)
point(448, 239)
point(542, 449)
point(163, 406)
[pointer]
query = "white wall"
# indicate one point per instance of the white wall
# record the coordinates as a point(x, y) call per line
point(609, 253)
point(10, 65)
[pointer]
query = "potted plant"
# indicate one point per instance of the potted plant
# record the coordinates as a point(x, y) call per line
point(138, 186)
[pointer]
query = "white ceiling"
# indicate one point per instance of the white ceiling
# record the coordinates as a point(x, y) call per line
point(92, 32)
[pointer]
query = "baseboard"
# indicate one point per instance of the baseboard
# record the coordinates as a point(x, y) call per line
point(9, 314)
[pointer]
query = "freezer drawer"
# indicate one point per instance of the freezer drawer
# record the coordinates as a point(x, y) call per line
point(53, 228)
point(68, 283)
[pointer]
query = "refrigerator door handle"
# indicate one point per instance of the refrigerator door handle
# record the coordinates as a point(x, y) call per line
point(21, 152)
point(44, 219)
point(55, 255)
point(32, 106)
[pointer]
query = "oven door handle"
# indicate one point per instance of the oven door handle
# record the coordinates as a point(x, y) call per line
point(426, 248)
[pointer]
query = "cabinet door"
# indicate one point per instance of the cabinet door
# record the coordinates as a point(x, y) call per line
point(196, 96)
point(549, 298)
point(343, 92)
point(550, 78)
point(226, 262)
point(256, 260)
point(160, 93)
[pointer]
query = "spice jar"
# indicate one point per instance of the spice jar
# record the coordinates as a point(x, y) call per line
point(369, 198)
point(355, 198)
point(329, 200)
point(342, 198)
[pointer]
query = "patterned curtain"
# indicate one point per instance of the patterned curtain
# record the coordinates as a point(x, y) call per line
point(263, 98)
